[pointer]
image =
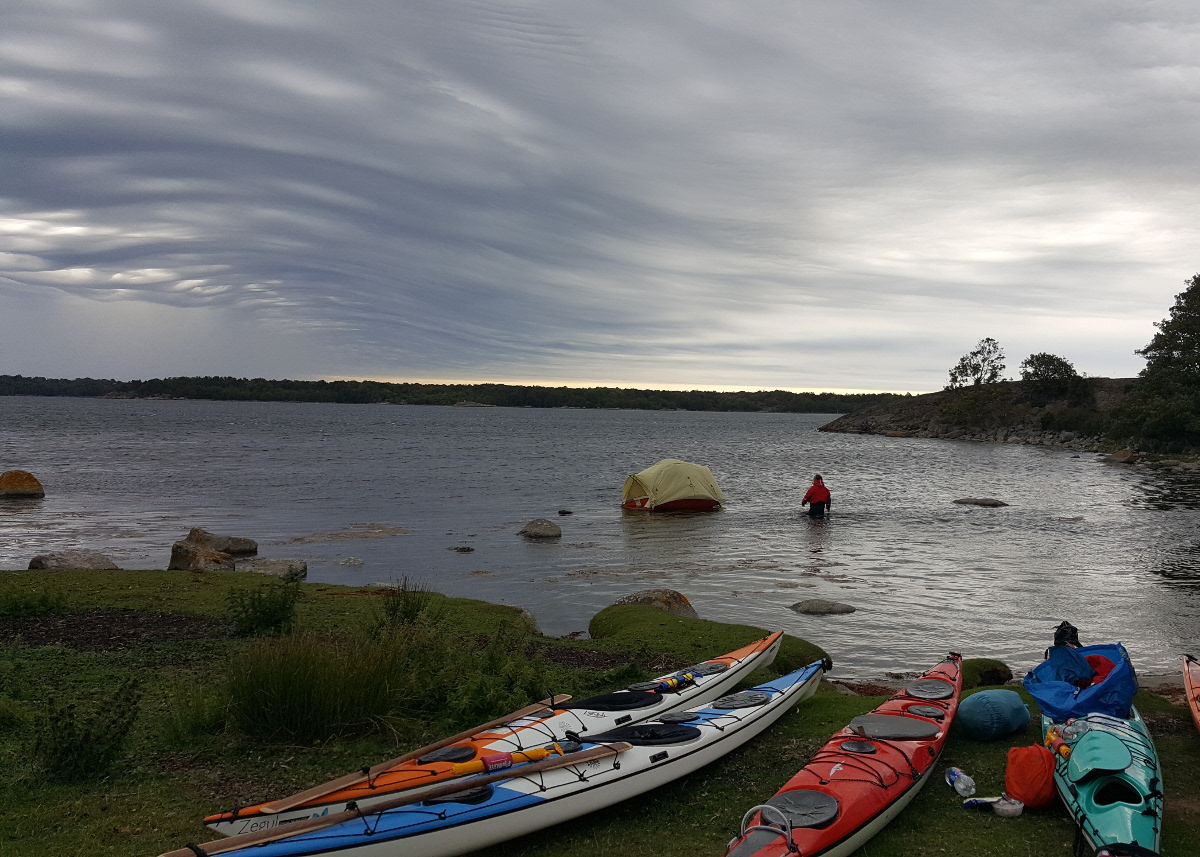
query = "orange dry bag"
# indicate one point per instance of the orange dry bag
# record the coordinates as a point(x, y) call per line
point(1030, 776)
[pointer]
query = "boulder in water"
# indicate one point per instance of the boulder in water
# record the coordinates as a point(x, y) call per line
point(75, 559)
point(20, 483)
point(190, 556)
point(667, 600)
point(232, 545)
point(540, 528)
point(821, 607)
point(981, 501)
point(287, 570)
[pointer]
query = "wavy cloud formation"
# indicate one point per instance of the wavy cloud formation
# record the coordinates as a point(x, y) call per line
point(825, 195)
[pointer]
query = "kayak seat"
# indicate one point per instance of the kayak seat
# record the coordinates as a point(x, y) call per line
point(647, 734)
point(708, 668)
point(929, 688)
point(1097, 752)
point(799, 808)
point(621, 700)
point(453, 753)
point(1116, 790)
point(894, 727)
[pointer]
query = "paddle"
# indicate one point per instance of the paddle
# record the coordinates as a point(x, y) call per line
point(295, 828)
point(357, 777)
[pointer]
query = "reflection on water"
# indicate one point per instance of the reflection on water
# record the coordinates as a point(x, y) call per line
point(1115, 549)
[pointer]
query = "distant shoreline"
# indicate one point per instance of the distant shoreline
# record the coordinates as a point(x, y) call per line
point(466, 395)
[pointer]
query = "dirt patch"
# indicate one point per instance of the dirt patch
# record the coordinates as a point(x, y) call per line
point(101, 629)
point(868, 689)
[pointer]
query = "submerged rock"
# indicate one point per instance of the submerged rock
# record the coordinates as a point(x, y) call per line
point(821, 607)
point(540, 528)
point(20, 483)
point(981, 501)
point(287, 570)
point(74, 560)
point(667, 600)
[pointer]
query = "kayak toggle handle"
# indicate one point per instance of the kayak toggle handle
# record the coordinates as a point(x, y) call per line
point(785, 830)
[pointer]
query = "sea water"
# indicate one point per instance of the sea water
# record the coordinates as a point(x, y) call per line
point(373, 493)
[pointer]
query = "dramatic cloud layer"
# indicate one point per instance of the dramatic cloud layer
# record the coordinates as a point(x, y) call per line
point(806, 195)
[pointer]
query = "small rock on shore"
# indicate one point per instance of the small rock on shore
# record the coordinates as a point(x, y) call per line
point(74, 559)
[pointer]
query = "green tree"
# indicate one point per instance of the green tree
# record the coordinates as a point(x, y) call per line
point(1162, 410)
point(983, 365)
point(1047, 367)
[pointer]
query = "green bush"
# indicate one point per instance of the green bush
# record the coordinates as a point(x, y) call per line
point(22, 603)
point(636, 627)
point(263, 610)
point(407, 603)
point(11, 716)
point(70, 745)
point(985, 672)
point(306, 688)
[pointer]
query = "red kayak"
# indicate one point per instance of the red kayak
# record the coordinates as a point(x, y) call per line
point(1191, 684)
point(862, 778)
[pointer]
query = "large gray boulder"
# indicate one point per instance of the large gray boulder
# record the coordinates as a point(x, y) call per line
point(287, 570)
point(540, 528)
point(667, 600)
point(232, 545)
point(981, 501)
point(74, 560)
point(20, 483)
point(190, 556)
point(821, 607)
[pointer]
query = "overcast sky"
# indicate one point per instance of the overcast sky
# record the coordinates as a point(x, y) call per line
point(671, 193)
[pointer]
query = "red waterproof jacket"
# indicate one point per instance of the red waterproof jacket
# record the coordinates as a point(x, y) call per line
point(816, 494)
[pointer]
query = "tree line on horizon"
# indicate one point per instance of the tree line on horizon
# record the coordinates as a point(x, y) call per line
point(223, 388)
point(1160, 411)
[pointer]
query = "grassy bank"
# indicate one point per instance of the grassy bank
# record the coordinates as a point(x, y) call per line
point(198, 744)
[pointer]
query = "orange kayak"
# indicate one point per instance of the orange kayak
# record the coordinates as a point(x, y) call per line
point(1191, 684)
point(522, 736)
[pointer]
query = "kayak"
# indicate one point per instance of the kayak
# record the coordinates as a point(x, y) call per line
point(516, 738)
point(1106, 769)
point(1191, 684)
point(480, 811)
point(862, 778)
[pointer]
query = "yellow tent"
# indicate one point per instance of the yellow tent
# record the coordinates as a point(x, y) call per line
point(672, 484)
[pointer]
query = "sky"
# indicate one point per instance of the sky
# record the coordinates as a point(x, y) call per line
point(840, 195)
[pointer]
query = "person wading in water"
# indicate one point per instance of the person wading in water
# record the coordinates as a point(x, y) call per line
point(818, 495)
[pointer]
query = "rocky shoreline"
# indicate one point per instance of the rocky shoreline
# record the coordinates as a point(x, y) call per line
point(1005, 412)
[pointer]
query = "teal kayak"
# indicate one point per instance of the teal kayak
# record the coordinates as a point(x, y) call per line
point(1108, 774)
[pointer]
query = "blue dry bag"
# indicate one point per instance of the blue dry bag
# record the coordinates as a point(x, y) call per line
point(992, 714)
point(1052, 683)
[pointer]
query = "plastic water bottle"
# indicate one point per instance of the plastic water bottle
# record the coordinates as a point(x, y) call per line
point(1073, 729)
point(958, 778)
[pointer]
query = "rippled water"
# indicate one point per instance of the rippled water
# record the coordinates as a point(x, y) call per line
point(1114, 549)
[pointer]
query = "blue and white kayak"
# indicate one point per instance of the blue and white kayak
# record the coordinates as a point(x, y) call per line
point(489, 809)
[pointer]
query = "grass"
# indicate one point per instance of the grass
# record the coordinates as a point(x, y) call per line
point(185, 755)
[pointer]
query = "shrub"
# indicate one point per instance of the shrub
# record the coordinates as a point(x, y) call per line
point(985, 672)
point(983, 365)
point(263, 610)
point(407, 603)
point(72, 745)
point(11, 717)
point(22, 603)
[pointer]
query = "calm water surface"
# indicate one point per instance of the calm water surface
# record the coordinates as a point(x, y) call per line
point(1115, 550)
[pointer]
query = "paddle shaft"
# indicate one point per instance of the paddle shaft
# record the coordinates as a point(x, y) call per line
point(301, 798)
point(295, 828)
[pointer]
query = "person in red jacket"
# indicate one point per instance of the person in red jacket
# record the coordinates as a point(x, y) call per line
point(818, 495)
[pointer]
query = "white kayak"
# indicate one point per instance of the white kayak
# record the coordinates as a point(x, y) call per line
point(584, 775)
point(527, 730)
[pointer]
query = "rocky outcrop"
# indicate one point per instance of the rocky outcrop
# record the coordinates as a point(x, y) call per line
point(540, 528)
point(190, 556)
point(821, 607)
point(667, 600)
point(981, 501)
point(1007, 412)
point(232, 545)
point(287, 570)
point(20, 483)
point(75, 559)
